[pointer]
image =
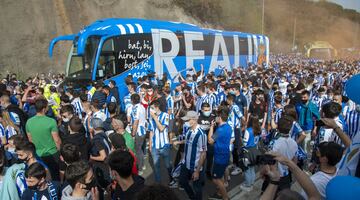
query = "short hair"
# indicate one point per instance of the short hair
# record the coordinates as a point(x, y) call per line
point(112, 82)
point(236, 86)
point(305, 92)
point(40, 104)
point(223, 113)
point(83, 97)
point(25, 146)
point(106, 87)
point(70, 152)
point(75, 124)
point(287, 194)
point(65, 98)
point(278, 99)
point(332, 151)
point(112, 107)
point(230, 97)
point(156, 192)
point(156, 103)
point(121, 162)
point(285, 124)
point(118, 141)
point(76, 172)
point(205, 105)
point(167, 90)
point(132, 85)
point(135, 98)
point(201, 88)
point(35, 170)
point(67, 109)
point(331, 109)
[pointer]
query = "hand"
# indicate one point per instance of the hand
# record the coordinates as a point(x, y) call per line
point(271, 171)
point(95, 193)
point(329, 122)
point(313, 133)
point(195, 175)
point(213, 123)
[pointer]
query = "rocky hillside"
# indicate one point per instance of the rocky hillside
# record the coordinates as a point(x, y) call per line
point(28, 26)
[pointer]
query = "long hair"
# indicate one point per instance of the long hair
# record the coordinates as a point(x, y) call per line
point(8, 122)
point(255, 125)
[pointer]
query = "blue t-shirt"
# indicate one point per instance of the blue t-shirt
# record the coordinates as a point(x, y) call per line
point(222, 137)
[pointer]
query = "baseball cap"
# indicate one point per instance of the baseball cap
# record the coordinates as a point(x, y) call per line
point(190, 115)
point(97, 123)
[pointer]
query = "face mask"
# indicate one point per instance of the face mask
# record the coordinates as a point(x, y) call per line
point(187, 124)
point(65, 119)
point(24, 160)
point(232, 92)
point(206, 113)
point(34, 187)
point(90, 185)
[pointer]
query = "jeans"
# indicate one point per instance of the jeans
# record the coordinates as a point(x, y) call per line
point(139, 140)
point(165, 154)
point(209, 158)
point(306, 143)
point(194, 192)
point(53, 162)
point(249, 176)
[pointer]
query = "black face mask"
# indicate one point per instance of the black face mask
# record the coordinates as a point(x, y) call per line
point(34, 187)
point(25, 160)
point(90, 185)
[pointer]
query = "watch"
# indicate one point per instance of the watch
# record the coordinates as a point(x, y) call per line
point(274, 182)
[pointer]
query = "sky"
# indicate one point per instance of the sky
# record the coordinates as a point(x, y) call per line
point(349, 4)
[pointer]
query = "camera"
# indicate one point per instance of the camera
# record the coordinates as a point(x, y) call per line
point(265, 159)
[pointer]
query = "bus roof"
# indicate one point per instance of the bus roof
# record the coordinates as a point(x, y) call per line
point(122, 26)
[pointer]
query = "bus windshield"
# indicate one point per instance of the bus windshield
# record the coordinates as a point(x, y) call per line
point(80, 67)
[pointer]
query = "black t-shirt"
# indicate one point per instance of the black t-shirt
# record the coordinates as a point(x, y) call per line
point(205, 122)
point(131, 192)
point(258, 109)
point(43, 195)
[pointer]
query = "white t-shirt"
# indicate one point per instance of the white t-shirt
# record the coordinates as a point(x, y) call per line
point(283, 87)
point(287, 147)
point(320, 180)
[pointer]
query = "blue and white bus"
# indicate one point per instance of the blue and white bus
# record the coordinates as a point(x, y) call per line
point(111, 49)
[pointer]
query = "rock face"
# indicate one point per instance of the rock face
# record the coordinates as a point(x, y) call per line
point(27, 27)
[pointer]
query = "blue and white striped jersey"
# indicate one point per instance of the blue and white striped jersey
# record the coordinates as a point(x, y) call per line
point(193, 86)
point(213, 101)
point(195, 143)
point(235, 116)
point(127, 101)
point(352, 119)
point(295, 132)
point(139, 113)
point(170, 106)
point(160, 138)
point(7, 132)
point(220, 97)
point(76, 103)
point(278, 113)
point(200, 100)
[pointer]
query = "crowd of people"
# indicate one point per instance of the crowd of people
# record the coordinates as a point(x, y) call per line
point(292, 119)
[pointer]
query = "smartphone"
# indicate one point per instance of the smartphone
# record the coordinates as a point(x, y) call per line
point(265, 159)
point(319, 123)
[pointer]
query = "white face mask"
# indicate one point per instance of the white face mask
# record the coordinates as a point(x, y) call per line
point(11, 150)
point(65, 119)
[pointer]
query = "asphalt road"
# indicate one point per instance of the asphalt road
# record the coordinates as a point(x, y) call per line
point(208, 189)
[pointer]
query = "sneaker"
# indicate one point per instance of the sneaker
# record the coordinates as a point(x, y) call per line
point(173, 184)
point(141, 173)
point(246, 188)
point(144, 168)
point(226, 184)
point(181, 188)
point(215, 196)
point(236, 171)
